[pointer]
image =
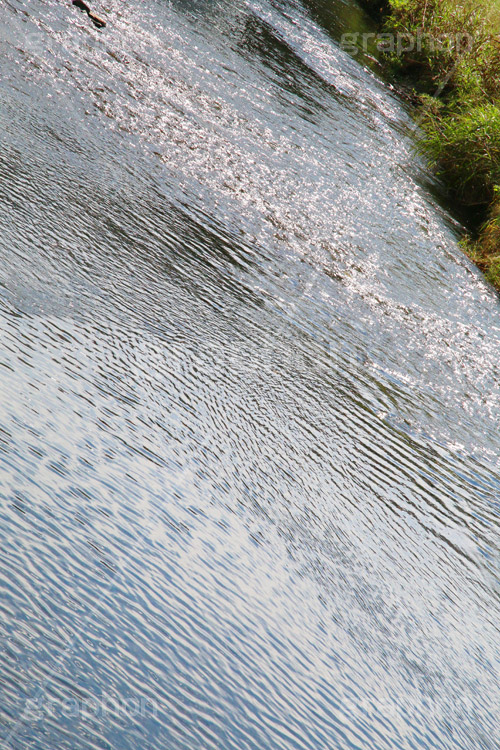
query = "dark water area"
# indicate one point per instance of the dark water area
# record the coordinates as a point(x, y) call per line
point(249, 444)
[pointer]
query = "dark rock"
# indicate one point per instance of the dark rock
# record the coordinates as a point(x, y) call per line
point(95, 19)
point(83, 6)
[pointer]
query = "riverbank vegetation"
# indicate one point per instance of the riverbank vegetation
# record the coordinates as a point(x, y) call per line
point(449, 52)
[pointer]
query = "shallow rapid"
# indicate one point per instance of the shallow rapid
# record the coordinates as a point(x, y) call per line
point(250, 394)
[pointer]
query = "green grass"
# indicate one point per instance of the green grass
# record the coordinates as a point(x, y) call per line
point(463, 143)
point(458, 84)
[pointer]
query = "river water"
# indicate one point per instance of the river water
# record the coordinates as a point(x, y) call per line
point(249, 442)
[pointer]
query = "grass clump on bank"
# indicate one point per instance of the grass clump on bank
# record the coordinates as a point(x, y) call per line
point(449, 51)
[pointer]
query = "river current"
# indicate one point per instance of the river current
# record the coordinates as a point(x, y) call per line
point(250, 394)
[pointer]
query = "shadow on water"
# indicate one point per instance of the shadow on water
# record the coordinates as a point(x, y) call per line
point(261, 40)
point(338, 17)
point(121, 224)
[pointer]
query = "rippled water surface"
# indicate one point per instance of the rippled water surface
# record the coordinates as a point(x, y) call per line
point(249, 444)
